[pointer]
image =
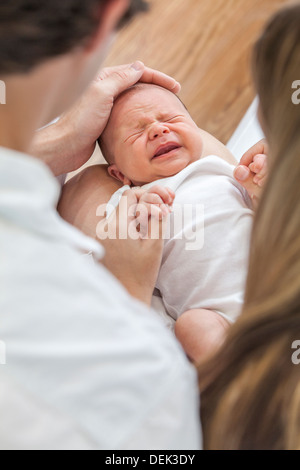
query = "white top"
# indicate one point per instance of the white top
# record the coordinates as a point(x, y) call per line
point(87, 367)
point(205, 258)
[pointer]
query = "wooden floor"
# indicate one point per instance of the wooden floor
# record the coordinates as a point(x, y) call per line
point(206, 45)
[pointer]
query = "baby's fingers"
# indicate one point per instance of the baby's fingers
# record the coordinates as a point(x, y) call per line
point(144, 212)
point(259, 164)
point(150, 199)
point(258, 149)
point(260, 168)
point(166, 194)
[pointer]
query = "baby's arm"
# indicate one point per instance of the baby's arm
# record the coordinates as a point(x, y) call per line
point(201, 332)
point(83, 194)
point(252, 171)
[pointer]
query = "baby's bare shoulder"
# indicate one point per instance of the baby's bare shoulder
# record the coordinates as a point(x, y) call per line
point(86, 191)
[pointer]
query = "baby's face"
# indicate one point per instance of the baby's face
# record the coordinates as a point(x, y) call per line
point(151, 136)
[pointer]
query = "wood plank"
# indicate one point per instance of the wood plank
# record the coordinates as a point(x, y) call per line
point(206, 45)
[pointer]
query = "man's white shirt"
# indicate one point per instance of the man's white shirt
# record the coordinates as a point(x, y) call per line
point(87, 367)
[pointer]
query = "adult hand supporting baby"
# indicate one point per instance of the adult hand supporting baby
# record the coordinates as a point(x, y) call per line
point(132, 259)
point(252, 170)
point(69, 143)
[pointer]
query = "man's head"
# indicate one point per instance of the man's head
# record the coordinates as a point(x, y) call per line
point(51, 50)
point(150, 135)
point(32, 31)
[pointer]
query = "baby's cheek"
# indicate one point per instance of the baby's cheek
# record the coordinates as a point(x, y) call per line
point(199, 144)
point(194, 144)
point(139, 166)
point(123, 160)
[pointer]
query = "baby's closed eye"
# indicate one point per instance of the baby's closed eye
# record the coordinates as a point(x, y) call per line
point(135, 135)
point(174, 118)
point(139, 132)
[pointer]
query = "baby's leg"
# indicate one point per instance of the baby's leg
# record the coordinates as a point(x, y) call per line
point(201, 332)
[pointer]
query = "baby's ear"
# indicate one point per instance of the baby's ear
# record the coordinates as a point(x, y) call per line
point(115, 173)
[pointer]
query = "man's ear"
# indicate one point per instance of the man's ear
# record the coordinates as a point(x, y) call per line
point(111, 14)
point(116, 173)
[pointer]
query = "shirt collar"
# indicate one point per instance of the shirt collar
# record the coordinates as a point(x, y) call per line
point(29, 194)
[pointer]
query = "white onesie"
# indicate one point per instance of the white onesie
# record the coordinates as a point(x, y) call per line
point(209, 270)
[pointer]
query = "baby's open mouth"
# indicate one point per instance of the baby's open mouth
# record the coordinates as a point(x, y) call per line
point(166, 148)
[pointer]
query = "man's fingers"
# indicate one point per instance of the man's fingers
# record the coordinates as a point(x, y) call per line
point(117, 79)
point(161, 79)
point(107, 71)
point(124, 76)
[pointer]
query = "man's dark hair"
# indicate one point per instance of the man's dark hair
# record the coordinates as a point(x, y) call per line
point(32, 31)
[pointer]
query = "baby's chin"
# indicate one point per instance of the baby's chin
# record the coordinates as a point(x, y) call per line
point(167, 167)
point(174, 166)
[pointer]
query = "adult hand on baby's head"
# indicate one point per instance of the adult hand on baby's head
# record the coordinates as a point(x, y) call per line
point(252, 171)
point(85, 122)
point(119, 78)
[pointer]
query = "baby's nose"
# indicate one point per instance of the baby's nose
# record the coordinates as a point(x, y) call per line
point(157, 130)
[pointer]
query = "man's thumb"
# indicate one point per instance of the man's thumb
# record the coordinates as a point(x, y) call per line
point(127, 77)
point(138, 66)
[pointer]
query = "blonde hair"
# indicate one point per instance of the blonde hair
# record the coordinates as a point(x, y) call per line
point(251, 388)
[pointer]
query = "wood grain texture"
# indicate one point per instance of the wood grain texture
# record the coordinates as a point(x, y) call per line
point(206, 45)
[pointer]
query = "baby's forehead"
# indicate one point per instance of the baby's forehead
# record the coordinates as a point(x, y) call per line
point(143, 97)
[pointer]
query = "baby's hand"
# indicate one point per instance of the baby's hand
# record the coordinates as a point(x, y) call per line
point(259, 167)
point(252, 171)
point(155, 202)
